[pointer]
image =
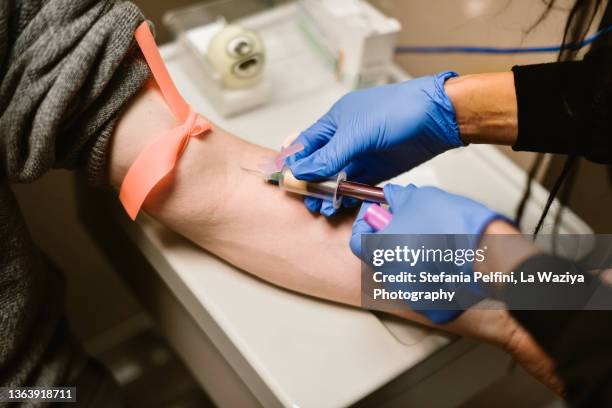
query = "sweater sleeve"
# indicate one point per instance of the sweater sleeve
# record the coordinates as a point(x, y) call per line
point(66, 70)
point(566, 107)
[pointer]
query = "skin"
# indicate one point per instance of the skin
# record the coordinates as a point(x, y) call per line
point(485, 107)
point(270, 234)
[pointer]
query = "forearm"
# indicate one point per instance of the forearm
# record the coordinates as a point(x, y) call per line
point(267, 232)
point(561, 107)
point(485, 107)
point(253, 225)
point(210, 200)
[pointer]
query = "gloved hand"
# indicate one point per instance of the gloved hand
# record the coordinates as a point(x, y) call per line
point(378, 133)
point(429, 210)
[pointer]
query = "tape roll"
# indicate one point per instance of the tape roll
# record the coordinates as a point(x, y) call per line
point(238, 55)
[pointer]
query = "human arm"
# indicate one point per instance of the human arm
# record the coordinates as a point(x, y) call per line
point(561, 107)
point(556, 107)
point(74, 93)
point(274, 237)
point(61, 104)
point(577, 340)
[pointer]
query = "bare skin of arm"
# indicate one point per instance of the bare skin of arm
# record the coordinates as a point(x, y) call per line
point(268, 233)
point(485, 107)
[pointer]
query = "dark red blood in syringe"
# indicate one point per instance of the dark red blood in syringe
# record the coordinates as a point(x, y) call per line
point(362, 192)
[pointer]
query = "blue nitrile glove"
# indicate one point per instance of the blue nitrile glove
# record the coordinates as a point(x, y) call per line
point(378, 133)
point(429, 210)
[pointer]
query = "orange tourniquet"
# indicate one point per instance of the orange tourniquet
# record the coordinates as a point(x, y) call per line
point(159, 158)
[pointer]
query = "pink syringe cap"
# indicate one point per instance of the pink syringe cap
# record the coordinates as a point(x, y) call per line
point(377, 217)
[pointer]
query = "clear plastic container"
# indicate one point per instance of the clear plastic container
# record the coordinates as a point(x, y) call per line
point(185, 18)
point(218, 73)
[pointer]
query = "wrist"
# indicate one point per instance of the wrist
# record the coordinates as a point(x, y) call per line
point(485, 107)
point(446, 111)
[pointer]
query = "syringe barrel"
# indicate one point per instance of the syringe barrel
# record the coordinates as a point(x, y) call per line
point(324, 189)
point(362, 192)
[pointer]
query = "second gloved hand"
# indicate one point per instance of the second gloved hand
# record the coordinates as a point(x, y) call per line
point(420, 212)
point(427, 210)
point(378, 133)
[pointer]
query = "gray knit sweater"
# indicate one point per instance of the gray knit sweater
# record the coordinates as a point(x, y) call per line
point(66, 69)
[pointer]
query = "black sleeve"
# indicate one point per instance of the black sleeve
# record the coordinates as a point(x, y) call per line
point(566, 107)
point(579, 341)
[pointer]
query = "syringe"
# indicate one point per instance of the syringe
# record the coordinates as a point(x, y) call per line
point(332, 189)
